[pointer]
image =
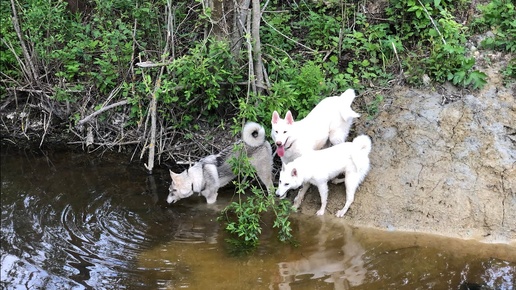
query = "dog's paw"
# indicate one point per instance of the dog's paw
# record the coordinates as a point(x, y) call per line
point(211, 199)
point(338, 180)
point(341, 213)
point(320, 212)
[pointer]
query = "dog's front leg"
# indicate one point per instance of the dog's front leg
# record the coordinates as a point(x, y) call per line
point(301, 195)
point(323, 192)
point(210, 195)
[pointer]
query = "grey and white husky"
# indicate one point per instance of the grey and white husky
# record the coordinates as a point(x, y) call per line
point(212, 172)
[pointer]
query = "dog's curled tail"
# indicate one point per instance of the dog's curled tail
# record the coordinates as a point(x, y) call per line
point(361, 158)
point(253, 134)
point(363, 142)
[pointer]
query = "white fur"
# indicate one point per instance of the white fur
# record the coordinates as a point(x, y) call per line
point(330, 120)
point(318, 167)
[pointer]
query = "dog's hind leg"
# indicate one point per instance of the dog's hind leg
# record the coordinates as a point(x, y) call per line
point(265, 175)
point(323, 192)
point(212, 183)
point(352, 181)
point(338, 135)
point(301, 195)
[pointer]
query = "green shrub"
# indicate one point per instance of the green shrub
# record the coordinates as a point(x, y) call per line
point(499, 16)
point(438, 39)
point(243, 218)
point(200, 82)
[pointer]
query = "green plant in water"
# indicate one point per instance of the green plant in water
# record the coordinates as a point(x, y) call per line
point(243, 218)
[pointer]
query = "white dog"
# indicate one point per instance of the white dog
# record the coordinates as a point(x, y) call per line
point(318, 167)
point(214, 171)
point(329, 120)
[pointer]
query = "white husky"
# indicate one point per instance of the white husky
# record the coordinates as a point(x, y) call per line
point(214, 171)
point(318, 167)
point(329, 120)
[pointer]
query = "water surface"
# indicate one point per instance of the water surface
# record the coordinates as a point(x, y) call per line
point(72, 220)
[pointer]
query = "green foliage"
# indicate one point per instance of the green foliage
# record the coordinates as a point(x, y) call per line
point(305, 88)
point(435, 30)
point(510, 71)
point(243, 218)
point(194, 83)
point(374, 107)
point(322, 30)
point(369, 50)
point(277, 25)
point(78, 53)
point(499, 16)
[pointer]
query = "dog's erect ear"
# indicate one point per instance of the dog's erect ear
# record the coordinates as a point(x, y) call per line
point(275, 117)
point(294, 172)
point(172, 174)
point(289, 118)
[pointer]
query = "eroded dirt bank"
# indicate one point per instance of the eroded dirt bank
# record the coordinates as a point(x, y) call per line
point(443, 162)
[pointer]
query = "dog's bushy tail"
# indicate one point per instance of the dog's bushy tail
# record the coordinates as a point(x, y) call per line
point(363, 142)
point(253, 134)
point(360, 155)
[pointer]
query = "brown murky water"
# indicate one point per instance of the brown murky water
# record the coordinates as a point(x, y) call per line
point(78, 221)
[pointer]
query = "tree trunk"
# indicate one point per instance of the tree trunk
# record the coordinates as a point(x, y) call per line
point(239, 20)
point(257, 48)
point(221, 11)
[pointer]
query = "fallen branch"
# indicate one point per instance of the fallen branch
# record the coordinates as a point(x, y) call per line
point(102, 110)
point(108, 144)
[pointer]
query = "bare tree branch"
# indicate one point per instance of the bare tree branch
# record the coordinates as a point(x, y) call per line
point(30, 70)
point(88, 118)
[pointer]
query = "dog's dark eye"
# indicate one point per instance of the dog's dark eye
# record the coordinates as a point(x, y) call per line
point(284, 132)
point(287, 184)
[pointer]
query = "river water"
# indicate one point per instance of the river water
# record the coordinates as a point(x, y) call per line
point(72, 220)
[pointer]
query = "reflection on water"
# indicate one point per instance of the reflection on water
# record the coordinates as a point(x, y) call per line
point(77, 221)
point(342, 266)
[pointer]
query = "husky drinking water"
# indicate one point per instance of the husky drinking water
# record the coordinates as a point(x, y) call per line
point(212, 172)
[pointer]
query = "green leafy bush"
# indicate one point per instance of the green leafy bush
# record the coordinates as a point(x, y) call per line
point(200, 82)
point(499, 16)
point(243, 218)
point(437, 41)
